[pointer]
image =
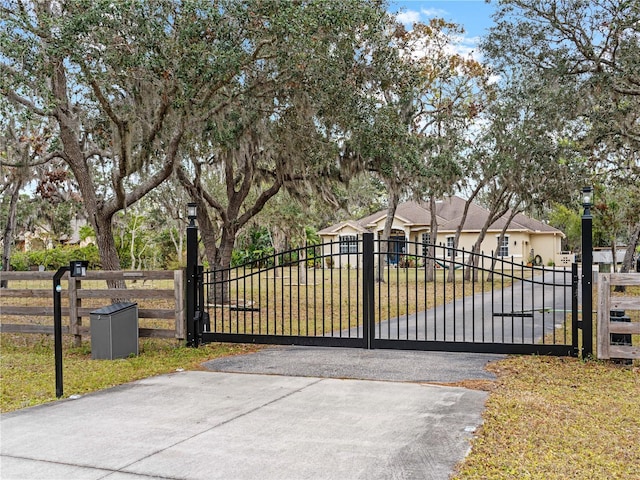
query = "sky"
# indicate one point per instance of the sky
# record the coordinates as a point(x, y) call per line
point(473, 15)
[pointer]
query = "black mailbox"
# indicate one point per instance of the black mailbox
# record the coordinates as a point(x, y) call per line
point(78, 268)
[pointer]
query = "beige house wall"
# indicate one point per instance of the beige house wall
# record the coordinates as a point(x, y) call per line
point(332, 250)
point(520, 244)
point(548, 247)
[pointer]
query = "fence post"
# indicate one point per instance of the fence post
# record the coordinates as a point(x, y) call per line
point(604, 307)
point(179, 291)
point(368, 283)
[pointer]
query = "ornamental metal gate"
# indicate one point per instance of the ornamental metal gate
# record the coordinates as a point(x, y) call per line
point(355, 294)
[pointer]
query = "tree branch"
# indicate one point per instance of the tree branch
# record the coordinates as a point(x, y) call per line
point(14, 97)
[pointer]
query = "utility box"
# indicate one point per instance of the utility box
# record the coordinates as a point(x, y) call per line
point(114, 331)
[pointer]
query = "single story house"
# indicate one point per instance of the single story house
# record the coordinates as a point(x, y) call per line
point(525, 238)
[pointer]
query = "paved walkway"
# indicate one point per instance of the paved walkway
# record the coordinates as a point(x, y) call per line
point(214, 425)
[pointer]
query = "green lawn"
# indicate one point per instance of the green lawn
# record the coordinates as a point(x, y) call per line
point(558, 418)
point(27, 368)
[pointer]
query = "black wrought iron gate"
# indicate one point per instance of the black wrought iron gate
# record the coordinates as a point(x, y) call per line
point(434, 298)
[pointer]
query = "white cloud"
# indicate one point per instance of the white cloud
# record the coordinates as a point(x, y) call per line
point(409, 17)
point(467, 47)
point(434, 12)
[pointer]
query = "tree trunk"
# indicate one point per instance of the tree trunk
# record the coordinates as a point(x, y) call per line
point(222, 265)
point(494, 260)
point(177, 240)
point(208, 234)
point(614, 254)
point(9, 230)
point(132, 247)
point(278, 243)
point(394, 199)
point(627, 263)
point(494, 215)
point(430, 262)
point(107, 248)
point(302, 265)
point(106, 245)
point(456, 238)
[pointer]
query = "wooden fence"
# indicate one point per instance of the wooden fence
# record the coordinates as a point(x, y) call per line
point(28, 318)
point(608, 302)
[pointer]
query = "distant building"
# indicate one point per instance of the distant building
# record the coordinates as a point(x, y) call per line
point(525, 238)
point(603, 258)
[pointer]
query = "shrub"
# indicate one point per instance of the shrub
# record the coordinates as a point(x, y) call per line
point(19, 261)
point(55, 258)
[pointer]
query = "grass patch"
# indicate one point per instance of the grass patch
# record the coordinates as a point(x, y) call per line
point(558, 418)
point(27, 368)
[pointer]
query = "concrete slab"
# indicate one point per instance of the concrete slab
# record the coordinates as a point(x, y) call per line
point(205, 425)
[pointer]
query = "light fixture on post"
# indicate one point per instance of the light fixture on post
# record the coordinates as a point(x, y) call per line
point(192, 271)
point(587, 273)
point(587, 199)
point(192, 213)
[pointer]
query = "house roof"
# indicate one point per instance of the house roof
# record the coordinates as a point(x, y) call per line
point(410, 213)
point(449, 212)
point(478, 216)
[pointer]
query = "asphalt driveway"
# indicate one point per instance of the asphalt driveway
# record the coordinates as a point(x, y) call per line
point(361, 364)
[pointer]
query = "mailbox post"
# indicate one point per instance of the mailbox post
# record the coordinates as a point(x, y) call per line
point(76, 268)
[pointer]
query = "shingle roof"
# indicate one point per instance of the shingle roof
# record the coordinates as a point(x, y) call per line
point(411, 213)
point(449, 213)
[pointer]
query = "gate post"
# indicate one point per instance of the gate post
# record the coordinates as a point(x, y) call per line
point(574, 309)
point(192, 274)
point(587, 274)
point(368, 290)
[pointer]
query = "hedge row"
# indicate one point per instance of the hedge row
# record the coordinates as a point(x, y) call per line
point(55, 258)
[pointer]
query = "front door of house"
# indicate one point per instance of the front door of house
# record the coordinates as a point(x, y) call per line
point(397, 248)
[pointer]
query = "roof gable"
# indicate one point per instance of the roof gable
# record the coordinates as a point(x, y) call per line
point(338, 227)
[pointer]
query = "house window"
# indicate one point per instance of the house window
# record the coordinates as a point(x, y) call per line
point(450, 246)
point(426, 240)
point(503, 248)
point(348, 244)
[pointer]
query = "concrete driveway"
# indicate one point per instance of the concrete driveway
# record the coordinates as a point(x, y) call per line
point(210, 425)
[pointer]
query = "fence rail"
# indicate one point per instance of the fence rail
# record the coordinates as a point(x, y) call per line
point(606, 328)
point(76, 292)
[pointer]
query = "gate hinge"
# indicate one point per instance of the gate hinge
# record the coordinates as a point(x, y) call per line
point(579, 324)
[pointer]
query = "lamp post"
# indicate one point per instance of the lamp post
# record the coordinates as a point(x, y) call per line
point(192, 271)
point(587, 273)
point(76, 268)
